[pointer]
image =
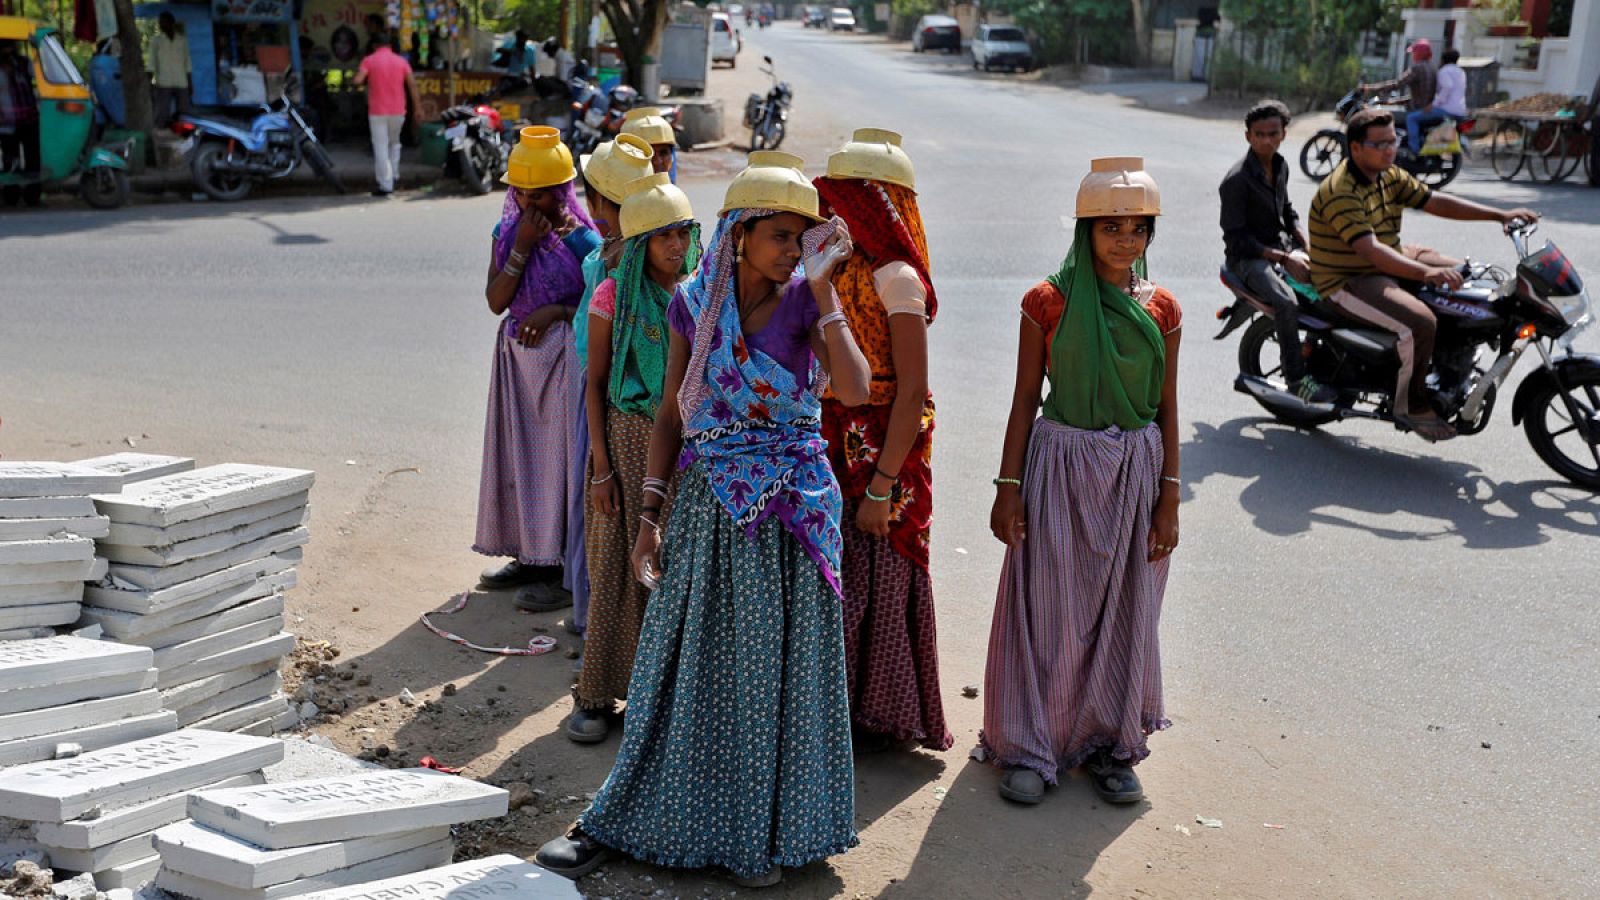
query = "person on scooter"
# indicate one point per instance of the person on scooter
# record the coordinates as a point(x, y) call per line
point(1449, 100)
point(1358, 262)
point(1420, 81)
point(1262, 236)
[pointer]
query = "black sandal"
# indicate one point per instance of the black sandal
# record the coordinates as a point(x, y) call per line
point(573, 855)
point(1114, 780)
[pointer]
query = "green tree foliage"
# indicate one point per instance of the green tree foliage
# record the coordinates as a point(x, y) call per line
point(1305, 50)
point(538, 18)
point(1080, 31)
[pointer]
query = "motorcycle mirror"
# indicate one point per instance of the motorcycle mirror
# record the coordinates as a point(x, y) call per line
point(768, 59)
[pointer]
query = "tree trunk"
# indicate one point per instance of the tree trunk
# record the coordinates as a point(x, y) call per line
point(638, 27)
point(135, 80)
point(1141, 33)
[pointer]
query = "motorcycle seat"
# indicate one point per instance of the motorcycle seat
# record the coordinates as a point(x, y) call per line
point(1366, 342)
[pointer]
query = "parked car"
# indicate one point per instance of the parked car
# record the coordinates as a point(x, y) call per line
point(814, 17)
point(841, 19)
point(724, 43)
point(1001, 45)
point(935, 32)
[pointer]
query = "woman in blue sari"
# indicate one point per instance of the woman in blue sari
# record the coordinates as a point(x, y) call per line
point(736, 748)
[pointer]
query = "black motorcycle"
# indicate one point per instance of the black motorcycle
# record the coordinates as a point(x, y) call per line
point(1326, 149)
point(478, 147)
point(1483, 330)
point(768, 117)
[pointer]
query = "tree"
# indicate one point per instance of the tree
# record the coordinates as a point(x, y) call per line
point(638, 25)
point(135, 80)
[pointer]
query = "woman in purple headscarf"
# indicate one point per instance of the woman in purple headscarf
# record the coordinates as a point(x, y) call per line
point(530, 498)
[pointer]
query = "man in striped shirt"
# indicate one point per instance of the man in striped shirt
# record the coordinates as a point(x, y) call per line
point(1358, 263)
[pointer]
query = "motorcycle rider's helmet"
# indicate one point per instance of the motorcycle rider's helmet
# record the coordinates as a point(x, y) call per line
point(654, 202)
point(773, 180)
point(614, 164)
point(1421, 49)
point(539, 160)
point(648, 123)
point(874, 154)
point(1118, 186)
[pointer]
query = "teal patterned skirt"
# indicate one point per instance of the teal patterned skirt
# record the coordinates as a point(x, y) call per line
point(736, 751)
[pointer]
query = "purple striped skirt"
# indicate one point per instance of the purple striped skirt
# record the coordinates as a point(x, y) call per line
point(1074, 665)
point(528, 486)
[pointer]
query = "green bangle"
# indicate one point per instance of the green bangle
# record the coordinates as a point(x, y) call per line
point(1015, 481)
point(877, 499)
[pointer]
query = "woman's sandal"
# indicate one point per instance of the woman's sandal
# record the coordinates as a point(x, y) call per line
point(573, 855)
point(1114, 780)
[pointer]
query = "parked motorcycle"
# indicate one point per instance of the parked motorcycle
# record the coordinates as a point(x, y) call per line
point(1484, 329)
point(228, 157)
point(478, 146)
point(597, 116)
point(768, 117)
point(1326, 149)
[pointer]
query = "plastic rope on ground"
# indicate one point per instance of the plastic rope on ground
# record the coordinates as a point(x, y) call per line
point(538, 645)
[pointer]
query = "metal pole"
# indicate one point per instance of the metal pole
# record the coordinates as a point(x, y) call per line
point(450, 64)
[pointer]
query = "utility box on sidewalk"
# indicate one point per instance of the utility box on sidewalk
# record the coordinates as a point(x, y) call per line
point(686, 50)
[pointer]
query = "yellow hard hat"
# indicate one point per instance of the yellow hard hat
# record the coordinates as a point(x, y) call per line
point(772, 180)
point(615, 163)
point(539, 160)
point(1118, 186)
point(648, 123)
point(653, 202)
point(874, 154)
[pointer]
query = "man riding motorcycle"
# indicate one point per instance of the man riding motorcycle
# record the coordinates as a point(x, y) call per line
point(1358, 263)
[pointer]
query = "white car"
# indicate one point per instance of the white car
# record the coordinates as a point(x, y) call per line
point(841, 19)
point(1001, 45)
point(724, 42)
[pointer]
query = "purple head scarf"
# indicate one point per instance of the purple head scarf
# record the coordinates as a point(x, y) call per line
point(553, 274)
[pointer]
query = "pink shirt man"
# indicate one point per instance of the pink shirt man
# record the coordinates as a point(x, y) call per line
point(385, 74)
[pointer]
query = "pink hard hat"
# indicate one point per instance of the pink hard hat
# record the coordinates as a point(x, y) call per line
point(1421, 49)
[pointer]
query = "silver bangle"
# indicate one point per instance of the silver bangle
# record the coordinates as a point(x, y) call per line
point(830, 318)
point(609, 475)
point(1173, 479)
point(652, 489)
point(512, 271)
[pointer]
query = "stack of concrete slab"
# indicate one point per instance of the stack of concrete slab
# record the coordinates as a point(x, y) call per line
point(64, 690)
point(284, 840)
point(198, 564)
point(136, 467)
point(503, 877)
point(47, 529)
point(97, 812)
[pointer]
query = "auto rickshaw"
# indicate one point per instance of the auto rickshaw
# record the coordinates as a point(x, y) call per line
point(68, 144)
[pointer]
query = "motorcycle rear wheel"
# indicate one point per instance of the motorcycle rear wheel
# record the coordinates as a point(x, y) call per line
point(221, 186)
point(473, 177)
point(1449, 167)
point(103, 187)
point(1548, 421)
point(1259, 356)
point(1322, 154)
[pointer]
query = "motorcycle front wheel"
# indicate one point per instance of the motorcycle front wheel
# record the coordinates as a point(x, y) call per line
point(473, 176)
point(322, 164)
point(1557, 438)
point(1259, 356)
point(103, 187)
point(224, 186)
point(1322, 154)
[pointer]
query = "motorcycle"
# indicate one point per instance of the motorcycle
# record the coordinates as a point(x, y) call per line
point(1326, 149)
point(597, 117)
point(228, 157)
point(1543, 305)
point(479, 150)
point(768, 117)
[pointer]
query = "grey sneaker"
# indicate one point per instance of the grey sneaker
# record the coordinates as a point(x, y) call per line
point(542, 597)
point(588, 726)
point(1022, 786)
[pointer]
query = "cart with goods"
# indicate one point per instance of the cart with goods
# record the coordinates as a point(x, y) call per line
point(1547, 135)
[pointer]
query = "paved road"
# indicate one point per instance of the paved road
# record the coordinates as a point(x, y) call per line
point(1387, 647)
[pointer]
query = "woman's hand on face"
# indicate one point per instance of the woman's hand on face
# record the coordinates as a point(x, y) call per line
point(1007, 519)
point(534, 326)
point(647, 547)
point(1163, 531)
point(531, 229)
point(872, 517)
point(607, 497)
point(838, 249)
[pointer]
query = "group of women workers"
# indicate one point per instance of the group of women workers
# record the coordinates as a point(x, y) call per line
point(723, 454)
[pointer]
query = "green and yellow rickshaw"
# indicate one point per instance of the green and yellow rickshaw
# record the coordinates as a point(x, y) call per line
point(68, 144)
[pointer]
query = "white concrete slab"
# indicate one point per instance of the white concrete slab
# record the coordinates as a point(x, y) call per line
point(424, 857)
point(26, 634)
point(117, 853)
point(248, 694)
point(157, 577)
point(49, 614)
point(203, 492)
point(136, 467)
point(210, 645)
point(182, 696)
point(182, 551)
point(160, 536)
point(53, 479)
point(131, 598)
point(47, 550)
point(206, 853)
point(45, 507)
point(38, 529)
point(66, 692)
point(244, 716)
point(134, 628)
point(67, 658)
point(95, 737)
point(118, 824)
point(503, 877)
point(268, 649)
point(129, 876)
point(244, 614)
point(44, 573)
point(40, 594)
point(138, 771)
point(82, 714)
point(317, 811)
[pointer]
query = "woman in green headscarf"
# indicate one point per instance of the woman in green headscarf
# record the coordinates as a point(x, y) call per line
point(627, 369)
point(1087, 504)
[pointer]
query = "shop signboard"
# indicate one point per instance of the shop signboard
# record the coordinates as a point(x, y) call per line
point(252, 10)
point(434, 87)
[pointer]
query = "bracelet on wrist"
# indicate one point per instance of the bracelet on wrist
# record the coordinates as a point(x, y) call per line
point(1172, 478)
point(1003, 480)
point(878, 498)
point(605, 478)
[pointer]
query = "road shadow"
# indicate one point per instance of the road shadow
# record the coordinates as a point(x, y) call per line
point(1300, 478)
point(168, 212)
point(978, 842)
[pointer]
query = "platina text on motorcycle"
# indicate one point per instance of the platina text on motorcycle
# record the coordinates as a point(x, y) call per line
point(227, 157)
point(1484, 328)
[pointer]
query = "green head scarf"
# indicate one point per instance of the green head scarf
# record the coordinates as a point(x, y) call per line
point(639, 326)
point(1108, 358)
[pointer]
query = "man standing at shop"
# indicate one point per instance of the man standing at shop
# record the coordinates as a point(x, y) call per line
point(19, 125)
point(387, 77)
point(169, 70)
